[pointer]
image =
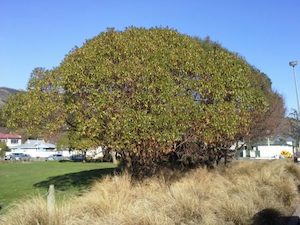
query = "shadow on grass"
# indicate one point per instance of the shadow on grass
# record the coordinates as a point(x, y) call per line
point(271, 216)
point(80, 180)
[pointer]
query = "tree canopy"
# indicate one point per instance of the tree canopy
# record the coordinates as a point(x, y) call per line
point(145, 92)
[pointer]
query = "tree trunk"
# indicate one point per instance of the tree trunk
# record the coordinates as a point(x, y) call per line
point(84, 156)
point(113, 156)
point(225, 157)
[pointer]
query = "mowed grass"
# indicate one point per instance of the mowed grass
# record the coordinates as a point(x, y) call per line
point(23, 179)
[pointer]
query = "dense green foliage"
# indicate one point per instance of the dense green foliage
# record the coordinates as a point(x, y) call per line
point(39, 111)
point(3, 149)
point(148, 94)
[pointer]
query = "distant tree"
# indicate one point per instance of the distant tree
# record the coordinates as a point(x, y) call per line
point(269, 122)
point(63, 142)
point(294, 127)
point(3, 149)
point(72, 141)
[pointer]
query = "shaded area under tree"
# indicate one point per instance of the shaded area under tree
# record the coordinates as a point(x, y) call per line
point(272, 216)
point(79, 180)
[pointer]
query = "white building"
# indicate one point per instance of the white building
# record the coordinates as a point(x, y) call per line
point(35, 148)
point(11, 140)
point(42, 149)
point(95, 153)
point(270, 148)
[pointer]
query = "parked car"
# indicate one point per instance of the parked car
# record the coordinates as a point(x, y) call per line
point(18, 157)
point(55, 157)
point(7, 157)
point(77, 158)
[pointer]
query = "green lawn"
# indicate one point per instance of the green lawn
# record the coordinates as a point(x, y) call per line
point(23, 179)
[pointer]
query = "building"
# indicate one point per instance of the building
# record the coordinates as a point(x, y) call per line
point(35, 148)
point(270, 148)
point(42, 149)
point(11, 140)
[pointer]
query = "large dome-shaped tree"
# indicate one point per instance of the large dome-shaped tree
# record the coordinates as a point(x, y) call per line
point(141, 91)
point(152, 95)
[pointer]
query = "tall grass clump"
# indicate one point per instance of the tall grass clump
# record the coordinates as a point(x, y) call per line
point(229, 195)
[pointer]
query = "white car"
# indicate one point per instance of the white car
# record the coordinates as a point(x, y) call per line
point(55, 157)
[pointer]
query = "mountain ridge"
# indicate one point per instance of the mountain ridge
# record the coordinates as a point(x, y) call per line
point(5, 92)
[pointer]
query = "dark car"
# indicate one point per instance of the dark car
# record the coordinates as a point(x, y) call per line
point(77, 158)
point(18, 157)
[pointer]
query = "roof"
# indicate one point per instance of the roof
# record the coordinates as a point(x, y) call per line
point(10, 136)
point(38, 144)
point(277, 140)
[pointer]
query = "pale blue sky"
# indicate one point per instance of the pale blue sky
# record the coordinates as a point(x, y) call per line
point(36, 33)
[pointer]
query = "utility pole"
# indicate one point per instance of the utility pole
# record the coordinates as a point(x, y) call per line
point(293, 64)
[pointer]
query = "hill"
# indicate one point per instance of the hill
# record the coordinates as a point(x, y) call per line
point(5, 93)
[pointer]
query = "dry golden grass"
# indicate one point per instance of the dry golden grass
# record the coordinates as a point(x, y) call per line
point(226, 196)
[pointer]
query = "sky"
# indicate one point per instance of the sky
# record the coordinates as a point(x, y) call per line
point(36, 33)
